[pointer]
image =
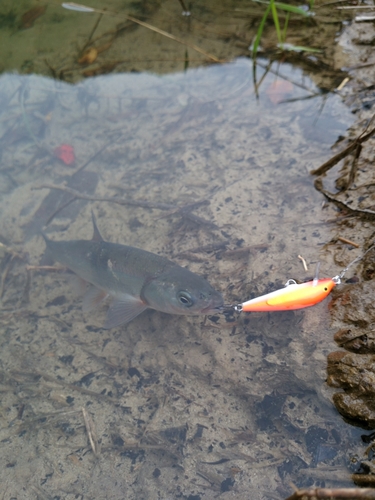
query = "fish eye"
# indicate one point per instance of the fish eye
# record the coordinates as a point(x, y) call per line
point(185, 299)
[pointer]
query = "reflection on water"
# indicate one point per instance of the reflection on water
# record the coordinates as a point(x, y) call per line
point(217, 179)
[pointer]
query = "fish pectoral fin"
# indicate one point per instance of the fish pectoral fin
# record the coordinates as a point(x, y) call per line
point(78, 284)
point(123, 310)
point(92, 298)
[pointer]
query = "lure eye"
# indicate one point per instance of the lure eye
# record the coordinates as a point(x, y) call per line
point(185, 299)
point(325, 288)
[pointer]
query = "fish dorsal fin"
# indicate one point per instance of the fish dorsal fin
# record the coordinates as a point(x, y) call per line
point(123, 309)
point(96, 236)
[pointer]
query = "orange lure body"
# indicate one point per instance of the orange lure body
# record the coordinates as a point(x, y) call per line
point(293, 296)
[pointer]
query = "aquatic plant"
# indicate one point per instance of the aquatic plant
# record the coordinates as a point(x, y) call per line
point(273, 7)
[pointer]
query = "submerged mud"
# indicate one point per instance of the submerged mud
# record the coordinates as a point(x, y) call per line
point(211, 171)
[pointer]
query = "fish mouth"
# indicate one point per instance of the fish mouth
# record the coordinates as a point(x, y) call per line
point(211, 309)
point(226, 308)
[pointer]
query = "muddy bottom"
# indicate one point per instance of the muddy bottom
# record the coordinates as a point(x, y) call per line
point(178, 406)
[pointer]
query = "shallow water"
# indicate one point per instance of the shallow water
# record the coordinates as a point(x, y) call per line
point(181, 407)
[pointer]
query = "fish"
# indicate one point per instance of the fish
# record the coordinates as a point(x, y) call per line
point(292, 296)
point(133, 279)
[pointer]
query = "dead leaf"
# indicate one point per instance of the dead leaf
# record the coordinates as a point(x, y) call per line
point(88, 56)
point(29, 17)
point(102, 70)
point(105, 46)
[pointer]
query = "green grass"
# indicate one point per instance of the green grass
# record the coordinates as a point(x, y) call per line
point(273, 8)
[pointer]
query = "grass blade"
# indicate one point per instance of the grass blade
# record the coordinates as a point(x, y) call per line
point(260, 31)
point(276, 21)
point(288, 8)
point(291, 8)
point(285, 26)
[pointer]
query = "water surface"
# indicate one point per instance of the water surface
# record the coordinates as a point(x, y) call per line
point(181, 407)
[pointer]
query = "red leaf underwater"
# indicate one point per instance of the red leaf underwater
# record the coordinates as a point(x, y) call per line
point(65, 153)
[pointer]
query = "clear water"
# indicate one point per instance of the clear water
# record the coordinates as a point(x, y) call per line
point(181, 407)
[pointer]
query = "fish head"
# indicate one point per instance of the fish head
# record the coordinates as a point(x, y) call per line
point(179, 291)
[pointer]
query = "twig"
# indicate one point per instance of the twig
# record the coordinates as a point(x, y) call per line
point(335, 159)
point(303, 262)
point(342, 84)
point(354, 167)
point(196, 219)
point(157, 30)
point(349, 242)
point(212, 247)
point(61, 207)
point(89, 197)
point(268, 67)
point(336, 493)
point(172, 37)
point(81, 167)
point(56, 269)
point(363, 137)
point(242, 251)
point(97, 153)
point(92, 32)
point(119, 201)
point(72, 387)
point(184, 211)
point(370, 184)
point(367, 214)
point(365, 480)
point(90, 427)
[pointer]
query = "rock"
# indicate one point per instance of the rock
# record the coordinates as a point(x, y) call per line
point(356, 340)
point(355, 374)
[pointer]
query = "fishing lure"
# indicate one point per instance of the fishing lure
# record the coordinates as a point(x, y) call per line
point(295, 295)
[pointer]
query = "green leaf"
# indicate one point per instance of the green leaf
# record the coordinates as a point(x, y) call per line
point(276, 21)
point(260, 31)
point(291, 8)
point(288, 8)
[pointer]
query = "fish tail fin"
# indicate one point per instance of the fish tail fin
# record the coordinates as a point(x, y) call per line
point(96, 236)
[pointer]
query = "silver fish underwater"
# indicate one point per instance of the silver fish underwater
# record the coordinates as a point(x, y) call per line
point(134, 279)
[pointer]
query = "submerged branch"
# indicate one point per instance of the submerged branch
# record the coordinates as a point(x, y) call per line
point(365, 213)
point(334, 493)
point(354, 145)
point(183, 211)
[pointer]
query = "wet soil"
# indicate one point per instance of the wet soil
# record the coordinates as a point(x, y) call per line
point(351, 190)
